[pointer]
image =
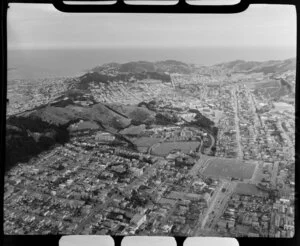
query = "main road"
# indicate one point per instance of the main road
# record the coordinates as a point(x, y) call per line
point(201, 164)
point(237, 120)
point(211, 206)
point(215, 208)
point(220, 204)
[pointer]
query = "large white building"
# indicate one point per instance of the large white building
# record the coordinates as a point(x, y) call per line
point(138, 220)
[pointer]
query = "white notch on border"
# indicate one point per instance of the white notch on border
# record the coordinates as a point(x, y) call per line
point(99, 2)
point(153, 2)
point(148, 241)
point(210, 241)
point(85, 240)
point(156, 2)
point(212, 2)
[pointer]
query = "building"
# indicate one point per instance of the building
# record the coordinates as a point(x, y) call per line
point(137, 171)
point(104, 137)
point(138, 220)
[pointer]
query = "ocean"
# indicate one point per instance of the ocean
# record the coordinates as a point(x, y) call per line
point(34, 64)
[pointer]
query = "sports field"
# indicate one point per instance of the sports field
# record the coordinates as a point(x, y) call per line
point(164, 149)
point(249, 189)
point(146, 141)
point(229, 168)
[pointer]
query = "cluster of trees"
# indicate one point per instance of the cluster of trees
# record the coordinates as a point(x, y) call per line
point(138, 200)
point(87, 78)
point(72, 95)
point(152, 105)
point(166, 118)
point(159, 76)
point(173, 66)
point(202, 121)
point(214, 131)
point(21, 146)
point(137, 67)
point(141, 116)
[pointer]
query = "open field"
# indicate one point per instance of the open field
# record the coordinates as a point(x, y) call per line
point(262, 84)
point(84, 125)
point(249, 189)
point(164, 149)
point(146, 141)
point(229, 168)
point(133, 130)
point(282, 106)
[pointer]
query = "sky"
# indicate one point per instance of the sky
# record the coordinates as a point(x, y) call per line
point(40, 26)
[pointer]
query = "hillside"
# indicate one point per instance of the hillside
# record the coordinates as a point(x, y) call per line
point(274, 66)
point(28, 136)
point(100, 78)
point(137, 67)
point(136, 70)
point(33, 132)
point(85, 79)
point(275, 90)
point(172, 66)
point(167, 66)
point(138, 115)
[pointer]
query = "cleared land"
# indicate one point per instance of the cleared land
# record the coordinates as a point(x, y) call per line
point(146, 141)
point(229, 168)
point(133, 130)
point(85, 125)
point(282, 106)
point(164, 149)
point(249, 189)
